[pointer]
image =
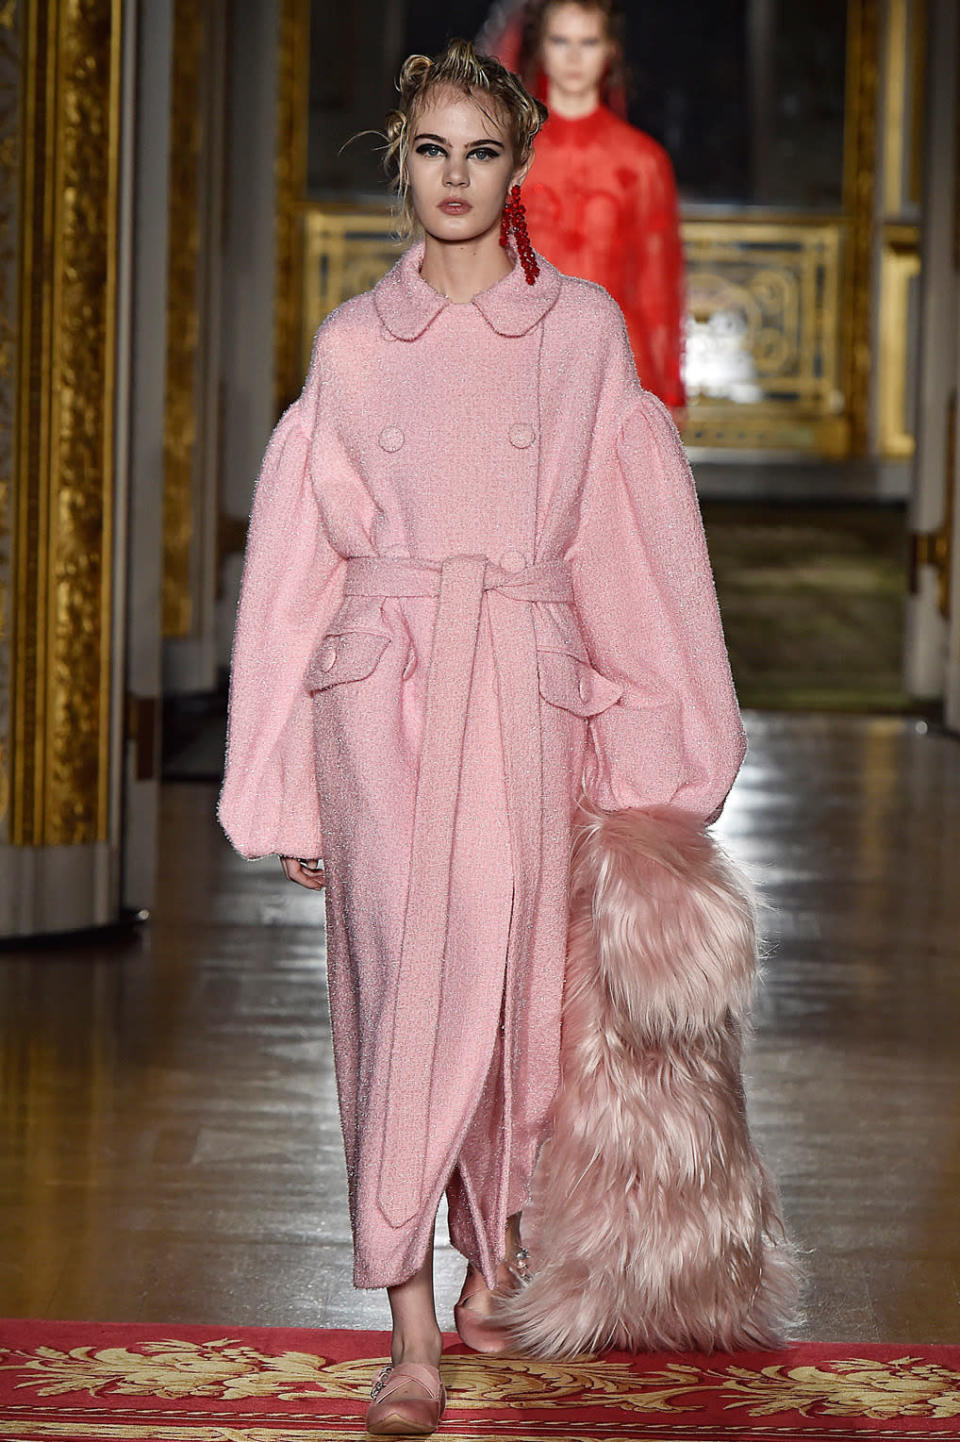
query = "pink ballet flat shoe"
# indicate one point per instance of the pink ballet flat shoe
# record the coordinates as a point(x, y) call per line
point(406, 1400)
point(476, 1331)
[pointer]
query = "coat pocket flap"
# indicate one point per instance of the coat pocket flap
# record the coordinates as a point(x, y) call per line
point(347, 657)
point(567, 681)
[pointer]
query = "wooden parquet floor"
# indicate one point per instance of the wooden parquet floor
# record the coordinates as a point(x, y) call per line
point(170, 1143)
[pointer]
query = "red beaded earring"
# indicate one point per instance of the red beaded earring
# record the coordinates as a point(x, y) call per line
point(514, 218)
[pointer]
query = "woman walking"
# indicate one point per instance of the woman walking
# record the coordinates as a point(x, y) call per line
point(475, 587)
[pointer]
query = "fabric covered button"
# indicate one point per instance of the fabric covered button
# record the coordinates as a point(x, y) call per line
point(583, 687)
point(513, 561)
point(521, 435)
point(327, 657)
point(391, 438)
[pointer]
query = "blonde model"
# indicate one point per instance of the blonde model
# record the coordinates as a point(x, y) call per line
point(476, 598)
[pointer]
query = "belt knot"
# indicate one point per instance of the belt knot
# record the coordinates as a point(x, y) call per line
point(406, 576)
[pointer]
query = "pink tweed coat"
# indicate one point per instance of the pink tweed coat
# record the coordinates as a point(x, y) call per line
point(476, 585)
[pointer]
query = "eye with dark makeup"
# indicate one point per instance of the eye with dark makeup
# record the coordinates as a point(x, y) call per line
point(484, 152)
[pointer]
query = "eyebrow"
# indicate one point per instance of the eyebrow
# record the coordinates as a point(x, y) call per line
point(486, 140)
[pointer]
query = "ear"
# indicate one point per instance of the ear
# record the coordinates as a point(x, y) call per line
point(520, 175)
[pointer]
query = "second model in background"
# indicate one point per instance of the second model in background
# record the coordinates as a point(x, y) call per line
point(601, 197)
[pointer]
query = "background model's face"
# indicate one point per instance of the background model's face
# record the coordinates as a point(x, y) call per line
point(460, 167)
point(575, 48)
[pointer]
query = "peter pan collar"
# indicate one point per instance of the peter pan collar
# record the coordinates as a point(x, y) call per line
point(406, 303)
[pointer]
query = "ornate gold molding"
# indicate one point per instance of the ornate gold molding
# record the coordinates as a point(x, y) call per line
point(860, 159)
point(183, 255)
point(64, 453)
point(895, 97)
point(293, 98)
point(956, 170)
point(9, 172)
point(899, 277)
point(902, 128)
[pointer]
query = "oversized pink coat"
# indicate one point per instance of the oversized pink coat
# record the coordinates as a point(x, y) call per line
point(476, 584)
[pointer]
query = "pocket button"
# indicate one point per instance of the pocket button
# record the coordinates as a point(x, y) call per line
point(327, 657)
point(583, 687)
point(391, 438)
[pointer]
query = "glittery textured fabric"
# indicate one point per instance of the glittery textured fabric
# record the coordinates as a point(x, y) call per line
point(476, 582)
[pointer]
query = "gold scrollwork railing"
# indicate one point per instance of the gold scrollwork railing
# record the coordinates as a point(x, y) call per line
point(763, 334)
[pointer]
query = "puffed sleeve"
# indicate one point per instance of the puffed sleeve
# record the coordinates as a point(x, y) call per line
point(291, 585)
point(648, 610)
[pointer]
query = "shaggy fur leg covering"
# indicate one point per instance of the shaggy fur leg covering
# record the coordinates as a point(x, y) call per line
point(655, 1223)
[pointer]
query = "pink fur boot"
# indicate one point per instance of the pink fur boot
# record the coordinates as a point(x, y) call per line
point(653, 1222)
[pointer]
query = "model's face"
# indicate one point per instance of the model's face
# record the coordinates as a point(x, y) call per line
point(575, 49)
point(460, 167)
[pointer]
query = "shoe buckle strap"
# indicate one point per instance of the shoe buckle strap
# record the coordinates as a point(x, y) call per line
point(396, 1374)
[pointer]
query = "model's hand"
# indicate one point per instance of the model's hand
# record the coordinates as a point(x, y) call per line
point(305, 873)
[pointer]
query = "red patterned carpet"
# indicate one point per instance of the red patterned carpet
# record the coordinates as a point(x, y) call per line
point(87, 1380)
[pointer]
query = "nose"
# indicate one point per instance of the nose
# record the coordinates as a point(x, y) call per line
point(455, 172)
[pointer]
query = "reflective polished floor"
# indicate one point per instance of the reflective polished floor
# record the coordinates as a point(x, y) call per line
point(170, 1143)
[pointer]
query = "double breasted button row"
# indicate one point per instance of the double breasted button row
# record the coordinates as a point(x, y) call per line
point(391, 437)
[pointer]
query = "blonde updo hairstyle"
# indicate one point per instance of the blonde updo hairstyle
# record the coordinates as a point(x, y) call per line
point(480, 77)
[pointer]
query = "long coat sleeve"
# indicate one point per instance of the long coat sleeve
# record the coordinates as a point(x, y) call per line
point(291, 584)
point(648, 609)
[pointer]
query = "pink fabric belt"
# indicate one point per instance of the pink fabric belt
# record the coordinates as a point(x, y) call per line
point(461, 583)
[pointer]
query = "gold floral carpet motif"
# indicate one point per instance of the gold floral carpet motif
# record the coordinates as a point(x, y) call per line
point(74, 1381)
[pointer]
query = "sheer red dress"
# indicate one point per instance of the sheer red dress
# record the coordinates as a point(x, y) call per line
point(601, 202)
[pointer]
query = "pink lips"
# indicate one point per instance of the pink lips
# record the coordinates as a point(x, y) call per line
point(455, 207)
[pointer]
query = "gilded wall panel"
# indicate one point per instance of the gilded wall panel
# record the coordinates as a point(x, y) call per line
point(898, 339)
point(293, 84)
point(64, 450)
point(180, 428)
point(859, 185)
point(9, 172)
